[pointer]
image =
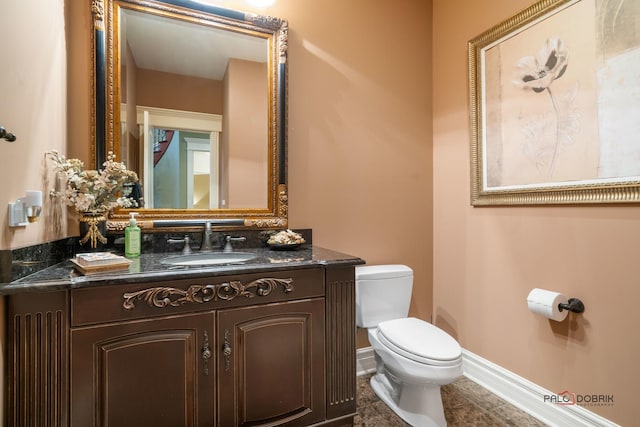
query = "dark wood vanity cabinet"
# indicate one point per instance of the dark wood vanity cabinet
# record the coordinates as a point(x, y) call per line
point(248, 350)
point(143, 373)
point(271, 368)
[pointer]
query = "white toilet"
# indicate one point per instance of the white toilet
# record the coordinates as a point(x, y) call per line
point(414, 358)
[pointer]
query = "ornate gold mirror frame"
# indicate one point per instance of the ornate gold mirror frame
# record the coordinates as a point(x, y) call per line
point(105, 126)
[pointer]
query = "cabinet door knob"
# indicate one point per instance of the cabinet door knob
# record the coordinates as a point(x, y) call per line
point(206, 353)
point(226, 350)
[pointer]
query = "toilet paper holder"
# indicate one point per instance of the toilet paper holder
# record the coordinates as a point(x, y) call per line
point(573, 304)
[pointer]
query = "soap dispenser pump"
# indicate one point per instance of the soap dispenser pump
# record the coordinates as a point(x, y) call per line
point(132, 240)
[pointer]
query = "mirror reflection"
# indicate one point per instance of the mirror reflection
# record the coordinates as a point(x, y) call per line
point(194, 112)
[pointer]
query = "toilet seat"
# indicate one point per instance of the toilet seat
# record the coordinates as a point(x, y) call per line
point(420, 341)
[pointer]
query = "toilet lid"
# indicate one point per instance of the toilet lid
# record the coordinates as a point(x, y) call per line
point(382, 272)
point(420, 341)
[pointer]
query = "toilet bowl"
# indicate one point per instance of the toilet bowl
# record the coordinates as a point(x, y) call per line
point(413, 357)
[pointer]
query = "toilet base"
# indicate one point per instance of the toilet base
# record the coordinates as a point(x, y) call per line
point(418, 405)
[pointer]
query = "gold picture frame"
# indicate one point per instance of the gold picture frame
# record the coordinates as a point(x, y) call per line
point(555, 105)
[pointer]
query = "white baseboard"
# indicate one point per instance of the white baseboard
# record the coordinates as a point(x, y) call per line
point(526, 395)
point(365, 361)
point(513, 388)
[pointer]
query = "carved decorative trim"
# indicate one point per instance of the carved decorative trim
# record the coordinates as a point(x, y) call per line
point(119, 226)
point(282, 212)
point(266, 223)
point(284, 41)
point(97, 10)
point(161, 296)
point(283, 201)
point(270, 22)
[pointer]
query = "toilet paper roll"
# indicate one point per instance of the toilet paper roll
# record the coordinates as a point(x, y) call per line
point(545, 303)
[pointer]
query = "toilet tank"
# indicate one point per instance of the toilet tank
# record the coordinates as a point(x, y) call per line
point(383, 292)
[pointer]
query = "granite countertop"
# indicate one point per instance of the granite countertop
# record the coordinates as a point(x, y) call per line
point(148, 268)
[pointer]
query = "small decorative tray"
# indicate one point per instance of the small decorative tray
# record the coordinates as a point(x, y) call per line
point(99, 268)
point(285, 240)
point(284, 246)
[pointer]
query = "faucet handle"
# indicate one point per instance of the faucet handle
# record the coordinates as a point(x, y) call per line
point(206, 237)
point(229, 239)
point(186, 248)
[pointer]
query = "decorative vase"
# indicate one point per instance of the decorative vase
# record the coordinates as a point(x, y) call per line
point(93, 229)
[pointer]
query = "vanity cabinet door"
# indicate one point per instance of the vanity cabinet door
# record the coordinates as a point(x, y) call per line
point(157, 373)
point(271, 364)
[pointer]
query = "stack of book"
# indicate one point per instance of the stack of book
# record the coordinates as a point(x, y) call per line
point(91, 262)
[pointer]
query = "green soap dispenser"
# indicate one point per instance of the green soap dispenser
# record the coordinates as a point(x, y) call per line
point(132, 240)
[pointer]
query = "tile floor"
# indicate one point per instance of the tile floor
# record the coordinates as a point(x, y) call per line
point(466, 404)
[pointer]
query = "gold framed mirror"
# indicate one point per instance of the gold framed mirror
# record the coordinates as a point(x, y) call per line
point(192, 97)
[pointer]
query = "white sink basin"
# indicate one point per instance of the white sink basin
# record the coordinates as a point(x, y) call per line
point(209, 258)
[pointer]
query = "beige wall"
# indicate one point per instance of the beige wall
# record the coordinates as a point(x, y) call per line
point(33, 85)
point(130, 151)
point(245, 135)
point(488, 259)
point(360, 156)
point(178, 92)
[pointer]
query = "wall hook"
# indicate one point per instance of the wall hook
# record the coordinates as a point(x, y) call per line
point(6, 135)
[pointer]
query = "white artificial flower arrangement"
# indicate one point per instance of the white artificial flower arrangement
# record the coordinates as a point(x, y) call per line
point(94, 190)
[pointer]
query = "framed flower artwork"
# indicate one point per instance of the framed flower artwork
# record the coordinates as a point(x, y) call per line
point(555, 105)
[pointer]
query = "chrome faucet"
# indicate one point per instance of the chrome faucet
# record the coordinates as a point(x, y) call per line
point(186, 249)
point(229, 239)
point(206, 237)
